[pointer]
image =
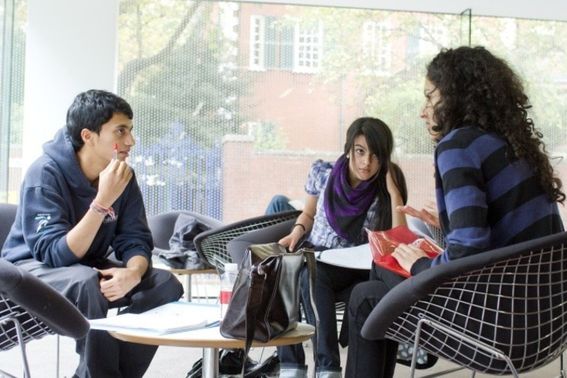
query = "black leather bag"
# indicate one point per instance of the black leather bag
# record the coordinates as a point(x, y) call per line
point(265, 298)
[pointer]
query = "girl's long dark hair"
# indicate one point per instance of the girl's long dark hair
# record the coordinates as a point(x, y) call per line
point(381, 143)
point(480, 89)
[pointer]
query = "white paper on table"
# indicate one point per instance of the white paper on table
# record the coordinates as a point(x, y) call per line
point(169, 318)
point(358, 257)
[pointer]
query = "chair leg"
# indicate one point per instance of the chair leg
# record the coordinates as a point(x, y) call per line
point(22, 346)
point(561, 367)
point(57, 353)
point(464, 338)
point(189, 294)
point(414, 352)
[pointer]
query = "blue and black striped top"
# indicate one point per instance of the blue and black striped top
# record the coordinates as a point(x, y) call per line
point(485, 200)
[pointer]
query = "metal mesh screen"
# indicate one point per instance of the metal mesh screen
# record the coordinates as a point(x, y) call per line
point(213, 244)
point(234, 101)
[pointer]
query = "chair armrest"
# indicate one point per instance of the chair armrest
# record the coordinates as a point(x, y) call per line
point(42, 301)
point(418, 287)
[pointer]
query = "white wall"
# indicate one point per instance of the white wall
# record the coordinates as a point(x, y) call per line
point(542, 9)
point(70, 47)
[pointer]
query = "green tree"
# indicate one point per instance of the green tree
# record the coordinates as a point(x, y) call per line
point(534, 50)
point(394, 93)
point(174, 72)
point(389, 87)
point(176, 68)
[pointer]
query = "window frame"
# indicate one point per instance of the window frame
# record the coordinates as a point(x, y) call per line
point(317, 44)
point(257, 43)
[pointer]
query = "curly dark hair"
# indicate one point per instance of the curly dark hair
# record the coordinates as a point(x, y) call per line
point(479, 88)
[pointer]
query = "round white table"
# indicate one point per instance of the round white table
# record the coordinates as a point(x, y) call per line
point(211, 340)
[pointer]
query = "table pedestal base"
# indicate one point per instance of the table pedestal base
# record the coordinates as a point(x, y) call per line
point(210, 363)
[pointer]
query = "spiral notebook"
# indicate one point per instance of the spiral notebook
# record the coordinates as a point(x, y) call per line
point(358, 257)
point(169, 318)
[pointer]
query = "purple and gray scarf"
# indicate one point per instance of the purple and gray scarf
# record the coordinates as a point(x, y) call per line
point(346, 207)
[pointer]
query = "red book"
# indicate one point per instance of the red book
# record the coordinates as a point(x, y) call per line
point(383, 243)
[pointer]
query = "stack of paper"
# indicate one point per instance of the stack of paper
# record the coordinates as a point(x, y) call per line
point(172, 317)
point(354, 257)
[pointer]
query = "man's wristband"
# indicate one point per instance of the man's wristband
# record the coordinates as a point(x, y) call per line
point(300, 225)
point(103, 210)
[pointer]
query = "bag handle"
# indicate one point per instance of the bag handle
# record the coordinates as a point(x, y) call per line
point(255, 290)
point(311, 267)
point(253, 303)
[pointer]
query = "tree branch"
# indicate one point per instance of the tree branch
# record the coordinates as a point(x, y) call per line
point(135, 66)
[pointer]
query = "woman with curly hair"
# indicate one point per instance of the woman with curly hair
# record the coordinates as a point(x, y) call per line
point(494, 183)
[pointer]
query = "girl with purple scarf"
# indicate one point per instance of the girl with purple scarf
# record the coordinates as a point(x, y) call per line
point(360, 190)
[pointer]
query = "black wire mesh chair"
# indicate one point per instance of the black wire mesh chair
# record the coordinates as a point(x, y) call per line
point(212, 245)
point(500, 312)
point(31, 309)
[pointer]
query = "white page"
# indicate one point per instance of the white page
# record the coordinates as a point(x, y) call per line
point(358, 257)
point(172, 317)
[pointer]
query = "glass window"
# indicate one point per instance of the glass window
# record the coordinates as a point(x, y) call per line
point(226, 116)
point(271, 42)
point(434, 35)
point(257, 32)
point(12, 66)
point(376, 44)
point(308, 44)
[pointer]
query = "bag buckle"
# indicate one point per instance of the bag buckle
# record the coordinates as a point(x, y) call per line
point(261, 271)
point(258, 271)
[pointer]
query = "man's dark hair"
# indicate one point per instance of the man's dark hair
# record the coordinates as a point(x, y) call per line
point(92, 109)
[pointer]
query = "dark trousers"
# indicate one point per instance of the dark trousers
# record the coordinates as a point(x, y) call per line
point(101, 355)
point(370, 358)
point(332, 284)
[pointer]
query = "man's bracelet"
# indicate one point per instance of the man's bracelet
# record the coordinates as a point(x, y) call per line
point(300, 225)
point(103, 210)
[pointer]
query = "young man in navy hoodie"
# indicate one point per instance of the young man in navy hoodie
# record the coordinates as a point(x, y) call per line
point(79, 201)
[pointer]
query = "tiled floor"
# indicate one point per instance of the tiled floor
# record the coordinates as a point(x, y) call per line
point(175, 362)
